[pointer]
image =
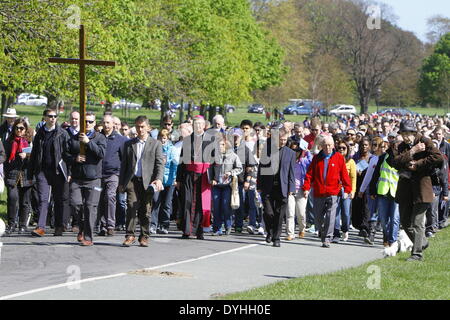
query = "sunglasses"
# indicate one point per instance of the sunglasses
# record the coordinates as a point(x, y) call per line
point(20, 128)
point(351, 134)
point(314, 129)
point(52, 116)
point(351, 145)
point(342, 148)
point(168, 124)
point(90, 121)
point(374, 145)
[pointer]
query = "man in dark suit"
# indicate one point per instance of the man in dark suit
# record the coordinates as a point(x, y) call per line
point(141, 174)
point(276, 181)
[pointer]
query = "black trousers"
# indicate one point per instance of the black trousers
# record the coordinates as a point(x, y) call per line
point(274, 209)
point(19, 202)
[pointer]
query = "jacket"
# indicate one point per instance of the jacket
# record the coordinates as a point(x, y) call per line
point(415, 186)
point(336, 178)
point(226, 163)
point(249, 163)
point(268, 170)
point(301, 168)
point(152, 162)
point(171, 163)
point(16, 169)
point(113, 154)
point(61, 147)
point(91, 169)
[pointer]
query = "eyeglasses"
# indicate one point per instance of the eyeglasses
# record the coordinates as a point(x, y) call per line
point(20, 128)
point(374, 145)
point(90, 121)
point(52, 116)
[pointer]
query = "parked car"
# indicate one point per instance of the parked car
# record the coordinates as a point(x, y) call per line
point(255, 108)
point(229, 107)
point(342, 109)
point(396, 111)
point(296, 110)
point(305, 107)
point(30, 99)
point(126, 104)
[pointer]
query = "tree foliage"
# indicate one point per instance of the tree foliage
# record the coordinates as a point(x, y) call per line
point(434, 84)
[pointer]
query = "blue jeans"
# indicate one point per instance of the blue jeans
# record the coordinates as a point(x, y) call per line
point(309, 208)
point(343, 208)
point(373, 208)
point(247, 200)
point(121, 208)
point(162, 208)
point(222, 207)
point(390, 218)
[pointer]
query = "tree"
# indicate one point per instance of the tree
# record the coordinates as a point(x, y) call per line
point(434, 83)
point(438, 26)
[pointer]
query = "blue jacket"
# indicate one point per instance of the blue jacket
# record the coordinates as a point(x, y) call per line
point(171, 164)
point(113, 155)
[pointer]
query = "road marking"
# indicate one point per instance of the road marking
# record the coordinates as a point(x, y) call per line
point(72, 283)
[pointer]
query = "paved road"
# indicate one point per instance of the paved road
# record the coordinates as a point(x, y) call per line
point(58, 268)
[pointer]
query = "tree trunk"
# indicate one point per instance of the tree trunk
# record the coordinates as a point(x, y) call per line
point(212, 113)
point(181, 110)
point(164, 108)
point(190, 109)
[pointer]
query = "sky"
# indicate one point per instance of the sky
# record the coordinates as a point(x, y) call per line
point(413, 14)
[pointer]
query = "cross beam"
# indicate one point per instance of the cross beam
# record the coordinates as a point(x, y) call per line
point(82, 62)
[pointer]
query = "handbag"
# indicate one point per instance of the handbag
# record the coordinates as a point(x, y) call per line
point(234, 194)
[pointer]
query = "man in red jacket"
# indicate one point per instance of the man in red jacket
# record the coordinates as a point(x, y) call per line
point(327, 175)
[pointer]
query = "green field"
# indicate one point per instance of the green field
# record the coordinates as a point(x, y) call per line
point(35, 114)
point(398, 280)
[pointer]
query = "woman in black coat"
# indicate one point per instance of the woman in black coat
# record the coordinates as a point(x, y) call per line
point(15, 171)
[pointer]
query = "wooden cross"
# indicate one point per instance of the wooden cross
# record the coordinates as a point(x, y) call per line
point(82, 62)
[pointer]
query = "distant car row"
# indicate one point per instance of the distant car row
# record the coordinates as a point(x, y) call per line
point(307, 107)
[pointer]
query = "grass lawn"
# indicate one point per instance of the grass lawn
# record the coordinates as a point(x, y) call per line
point(429, 279)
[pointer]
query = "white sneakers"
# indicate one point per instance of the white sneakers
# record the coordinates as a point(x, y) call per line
point(345, 236)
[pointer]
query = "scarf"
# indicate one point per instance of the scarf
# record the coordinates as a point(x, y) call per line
point(17, 145)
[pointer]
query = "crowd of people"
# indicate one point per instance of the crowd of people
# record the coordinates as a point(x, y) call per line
point(370, 173)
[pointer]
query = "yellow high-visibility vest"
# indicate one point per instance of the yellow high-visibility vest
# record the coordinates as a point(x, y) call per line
point(388, 179)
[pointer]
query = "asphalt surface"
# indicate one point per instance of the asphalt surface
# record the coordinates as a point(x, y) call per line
point(170, 268)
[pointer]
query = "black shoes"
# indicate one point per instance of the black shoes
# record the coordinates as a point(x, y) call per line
point(269, 238)
point(276, 243)
point(23, 230)
point(102, 233)
point(9, 230)
point(200, 237)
